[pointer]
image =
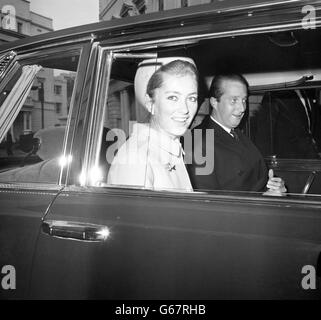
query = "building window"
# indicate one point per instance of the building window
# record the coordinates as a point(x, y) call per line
point(184, 3)
point(140, 5)
point(58, 107)
point(28, 121)
point(19, 27)
point(161, 5)
point(57, 89)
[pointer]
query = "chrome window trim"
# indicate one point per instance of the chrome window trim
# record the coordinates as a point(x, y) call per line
point(77, 139)
point(6, 62)
point(9, 74)
point(101, 98)
point(236, 197)
point(76, 107)
point(93, 139)
point(21, 187)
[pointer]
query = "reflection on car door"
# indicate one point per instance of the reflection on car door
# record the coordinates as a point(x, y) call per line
point(172, 246)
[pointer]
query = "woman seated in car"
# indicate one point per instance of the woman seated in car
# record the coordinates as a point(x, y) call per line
point(152, 157)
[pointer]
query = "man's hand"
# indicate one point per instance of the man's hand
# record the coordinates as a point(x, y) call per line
point(275, 185)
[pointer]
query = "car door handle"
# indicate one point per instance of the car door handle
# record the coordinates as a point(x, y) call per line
point(75, 230)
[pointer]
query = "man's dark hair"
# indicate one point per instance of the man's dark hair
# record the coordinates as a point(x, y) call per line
point(216, 89)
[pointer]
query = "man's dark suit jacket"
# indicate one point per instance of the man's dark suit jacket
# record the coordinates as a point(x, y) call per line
point(238, 165)
point(282, 126)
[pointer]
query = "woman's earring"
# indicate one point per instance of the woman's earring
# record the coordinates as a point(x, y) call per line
point(152, 108)
point(149, 103)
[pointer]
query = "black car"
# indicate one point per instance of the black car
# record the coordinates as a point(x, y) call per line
point(68, 234)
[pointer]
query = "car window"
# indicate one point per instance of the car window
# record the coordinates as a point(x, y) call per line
point(286, 124)
point(36, 103)
point(121, 112)
point(282, 116)
point(138, 150)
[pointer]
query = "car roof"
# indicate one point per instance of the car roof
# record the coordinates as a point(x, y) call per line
point(156, 21)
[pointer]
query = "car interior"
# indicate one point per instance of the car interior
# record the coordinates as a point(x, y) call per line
point(273, 63)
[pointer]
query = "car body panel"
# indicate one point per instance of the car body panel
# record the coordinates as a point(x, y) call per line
point(137, 26)
point(178, 247)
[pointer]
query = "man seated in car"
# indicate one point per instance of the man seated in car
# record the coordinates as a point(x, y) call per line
point(238, 165)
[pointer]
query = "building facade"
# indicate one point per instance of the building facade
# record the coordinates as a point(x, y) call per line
point(111, 9)
point(18, 21)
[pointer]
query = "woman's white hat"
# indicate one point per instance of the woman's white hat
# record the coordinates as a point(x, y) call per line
point(145, 71)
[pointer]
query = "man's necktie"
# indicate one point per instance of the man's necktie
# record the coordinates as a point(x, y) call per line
point(234, 134)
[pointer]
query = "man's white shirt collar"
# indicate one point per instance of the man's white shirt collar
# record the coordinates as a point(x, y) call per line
point(222, 126)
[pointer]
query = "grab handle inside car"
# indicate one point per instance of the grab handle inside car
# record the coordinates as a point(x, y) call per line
point(309, 182)
point(75, 230)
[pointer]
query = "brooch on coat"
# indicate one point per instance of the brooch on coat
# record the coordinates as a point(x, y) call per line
point(170, 167)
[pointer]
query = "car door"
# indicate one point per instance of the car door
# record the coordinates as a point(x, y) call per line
point(169, 246)
point(36, 117)
point(116, 242)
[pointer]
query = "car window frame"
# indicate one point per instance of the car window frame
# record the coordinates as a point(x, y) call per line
point(111, 46)
point(25, 57)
